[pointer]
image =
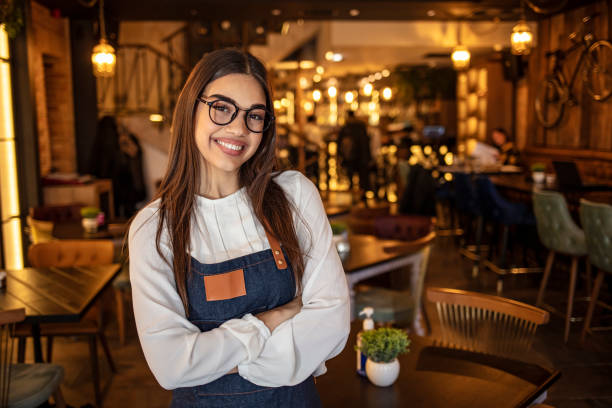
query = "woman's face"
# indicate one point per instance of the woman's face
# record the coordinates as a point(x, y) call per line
point(224, 148)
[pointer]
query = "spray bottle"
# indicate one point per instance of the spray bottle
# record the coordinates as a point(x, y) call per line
point(368, 324)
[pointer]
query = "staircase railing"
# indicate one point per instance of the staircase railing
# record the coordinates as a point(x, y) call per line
point(146, 81)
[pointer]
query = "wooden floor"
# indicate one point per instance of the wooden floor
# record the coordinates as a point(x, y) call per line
point(586, 372)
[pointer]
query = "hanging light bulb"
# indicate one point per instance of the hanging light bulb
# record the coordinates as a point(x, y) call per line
point(461, 57)
point(103, 55)
point(521, 39)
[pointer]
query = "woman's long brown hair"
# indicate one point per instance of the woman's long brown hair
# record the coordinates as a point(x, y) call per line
point(179, 185)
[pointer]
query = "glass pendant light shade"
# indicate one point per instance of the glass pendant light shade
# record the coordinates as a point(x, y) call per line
point(521, 39)
point(103, 59)
point(461, 57)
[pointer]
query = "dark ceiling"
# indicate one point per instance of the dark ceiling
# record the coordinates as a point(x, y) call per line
point(262, 11)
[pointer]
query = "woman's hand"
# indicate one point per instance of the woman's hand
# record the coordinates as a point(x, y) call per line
point(273, 317)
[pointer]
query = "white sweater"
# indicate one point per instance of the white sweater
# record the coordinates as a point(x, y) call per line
point(179, 355)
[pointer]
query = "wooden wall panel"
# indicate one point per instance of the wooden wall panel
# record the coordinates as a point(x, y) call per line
point(585, 131)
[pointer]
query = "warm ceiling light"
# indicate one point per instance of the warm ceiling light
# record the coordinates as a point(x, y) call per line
point(259, 30)
point(275, 12)
point(226, 25)
point(156, 118)
point(329, 55)
point(371, 78)
point(387, 93)
point(349, 97)
point(320, 70)
point(332, 91)
point(316, 95)
point(378, 76)
point(337, 57)
point(103, 55)
point(277, 104)
point(354, 12)
point(521, 39)
point(316, 78)
point(461, 57)
point(307, 64)
point(303, 83)
point(431, 13)
point(367, 89)
point(385, 73)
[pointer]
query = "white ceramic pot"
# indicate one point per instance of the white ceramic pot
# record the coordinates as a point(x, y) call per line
point(90, 224)
point(538, 177)
point(342, 244)
point(382, 374)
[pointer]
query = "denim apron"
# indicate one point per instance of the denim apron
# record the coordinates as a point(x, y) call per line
point(227, 290)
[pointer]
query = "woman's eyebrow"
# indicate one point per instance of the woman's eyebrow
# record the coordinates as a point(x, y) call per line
point(228, 99)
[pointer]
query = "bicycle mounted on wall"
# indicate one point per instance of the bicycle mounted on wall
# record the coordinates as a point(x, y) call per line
point(555, 91)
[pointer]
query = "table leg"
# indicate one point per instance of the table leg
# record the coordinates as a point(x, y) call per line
point(38, 358)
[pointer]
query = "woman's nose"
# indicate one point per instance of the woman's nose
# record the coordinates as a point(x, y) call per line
point(238, 126)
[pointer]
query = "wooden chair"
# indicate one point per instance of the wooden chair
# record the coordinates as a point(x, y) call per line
point(401, 307)
point(361, 219)
point(485, 323)
point(70, 253)
point(25, 385)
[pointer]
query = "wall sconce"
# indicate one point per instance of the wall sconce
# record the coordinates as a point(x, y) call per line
point(103, 56)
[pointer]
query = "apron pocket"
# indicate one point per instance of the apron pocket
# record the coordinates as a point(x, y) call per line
point(224, 286)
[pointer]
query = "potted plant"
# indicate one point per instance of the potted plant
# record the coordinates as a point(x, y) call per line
point(90, 219)
point(538, 172)
point(340, 238)
point(382, 346)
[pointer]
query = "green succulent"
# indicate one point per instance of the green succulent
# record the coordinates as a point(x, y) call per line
point(383, 345)
point(90, 212)
point(11, 16)
point(338, 227)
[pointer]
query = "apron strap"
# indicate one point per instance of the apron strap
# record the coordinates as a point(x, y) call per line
point(279, 258)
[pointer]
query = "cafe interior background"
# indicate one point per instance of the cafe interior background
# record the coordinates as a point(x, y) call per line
point(431, 80)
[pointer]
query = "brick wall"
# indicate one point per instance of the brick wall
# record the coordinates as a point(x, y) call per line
point(51, 65)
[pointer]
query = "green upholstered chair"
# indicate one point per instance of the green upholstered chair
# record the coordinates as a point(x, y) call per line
point(559, 234)
point(596, 219)
point(25, 385)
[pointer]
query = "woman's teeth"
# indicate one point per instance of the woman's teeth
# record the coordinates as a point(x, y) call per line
point(230, 146)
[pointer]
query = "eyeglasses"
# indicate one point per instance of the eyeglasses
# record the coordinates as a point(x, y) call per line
point(223, 112)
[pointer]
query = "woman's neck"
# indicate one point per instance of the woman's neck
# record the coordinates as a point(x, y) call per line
point(218, 186)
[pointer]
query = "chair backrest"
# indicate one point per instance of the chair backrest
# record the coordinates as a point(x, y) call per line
point(57, 213)
point(466, 197)
point(485, 323)
point(8, 318)
point(39, 231)
point(596, 220)
point(404, 227)
point(64, 253)
point(361, 219)
point(556, 229)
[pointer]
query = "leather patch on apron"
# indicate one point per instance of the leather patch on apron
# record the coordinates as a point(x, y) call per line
point(225, 286)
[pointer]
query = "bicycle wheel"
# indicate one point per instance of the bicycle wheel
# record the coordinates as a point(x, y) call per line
point(598, 70)
point(550, 101)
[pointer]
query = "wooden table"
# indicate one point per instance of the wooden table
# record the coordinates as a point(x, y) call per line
point(370, 256)
point(52, 295)
point(74, 230)
point(436, 377)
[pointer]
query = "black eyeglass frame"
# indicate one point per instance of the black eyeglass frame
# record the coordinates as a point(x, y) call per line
point(235, 114)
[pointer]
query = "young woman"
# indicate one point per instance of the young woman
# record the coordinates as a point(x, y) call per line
point(239, 294)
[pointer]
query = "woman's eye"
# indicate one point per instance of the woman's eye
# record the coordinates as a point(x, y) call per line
point(256, 116)
point(221, 107)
